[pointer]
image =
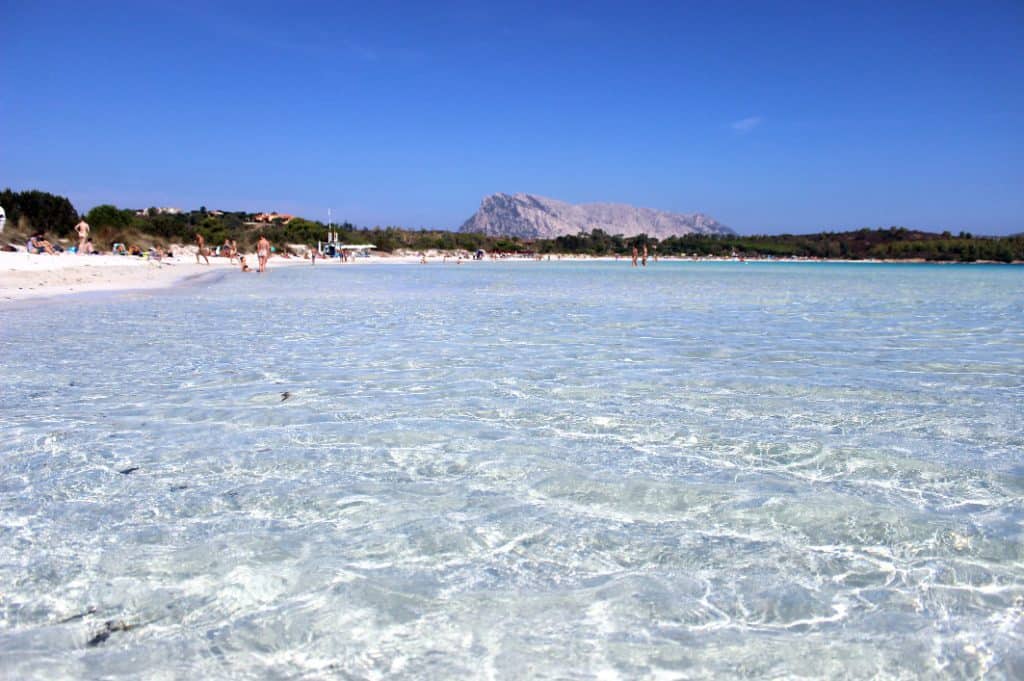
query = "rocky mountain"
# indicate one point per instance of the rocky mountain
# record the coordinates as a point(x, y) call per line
point(535, 217)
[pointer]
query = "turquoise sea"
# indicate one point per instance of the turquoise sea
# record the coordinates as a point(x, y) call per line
point(518, 470)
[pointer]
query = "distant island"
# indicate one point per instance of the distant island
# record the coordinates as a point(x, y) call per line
point(526, 216)
point(37, 211)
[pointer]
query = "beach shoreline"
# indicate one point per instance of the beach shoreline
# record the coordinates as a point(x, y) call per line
point(32, 277)
point(26, 276)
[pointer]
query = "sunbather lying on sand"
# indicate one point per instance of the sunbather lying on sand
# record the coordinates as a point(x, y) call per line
point(37, 244)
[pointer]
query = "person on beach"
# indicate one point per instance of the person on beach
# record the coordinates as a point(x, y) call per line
point(38, 245)
point(262, 253)
point(635, 254)
point(82, 228)
point(241, 261)
point(201, 248)
point(644, 260)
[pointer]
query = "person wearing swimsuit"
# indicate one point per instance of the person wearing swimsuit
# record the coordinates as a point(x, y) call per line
point(263, 252)
point(83, 235)
point(201, 248)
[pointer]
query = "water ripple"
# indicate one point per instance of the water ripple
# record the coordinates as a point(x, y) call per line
point(551, 470)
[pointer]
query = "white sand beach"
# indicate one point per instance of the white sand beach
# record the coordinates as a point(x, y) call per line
point(25, 276)
point(29, 276)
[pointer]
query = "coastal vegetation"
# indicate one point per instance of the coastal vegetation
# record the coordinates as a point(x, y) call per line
point(894, 243)
point(32, 211)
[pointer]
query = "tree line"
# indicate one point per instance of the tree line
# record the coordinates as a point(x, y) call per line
point(37, 211)
point(895, 243)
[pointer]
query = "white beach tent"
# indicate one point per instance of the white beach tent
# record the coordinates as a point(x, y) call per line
point(3, 219)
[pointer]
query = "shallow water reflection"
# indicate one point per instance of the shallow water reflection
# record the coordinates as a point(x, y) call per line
point(519, 470)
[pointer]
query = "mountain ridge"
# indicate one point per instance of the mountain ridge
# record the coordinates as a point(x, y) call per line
point(529, 216)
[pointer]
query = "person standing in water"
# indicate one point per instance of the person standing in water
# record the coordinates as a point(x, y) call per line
point(635, 254)
point(644, 260)
point(83, 234)
point(263, 253)
point(201, 248)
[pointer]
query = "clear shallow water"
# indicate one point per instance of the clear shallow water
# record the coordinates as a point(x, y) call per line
point(519, 470)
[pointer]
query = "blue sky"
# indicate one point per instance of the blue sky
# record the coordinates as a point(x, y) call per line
point(770, 117)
